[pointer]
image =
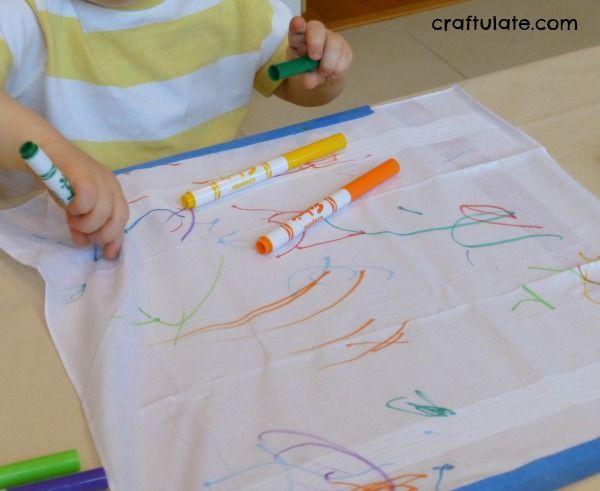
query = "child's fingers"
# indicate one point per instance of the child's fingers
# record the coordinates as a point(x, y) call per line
point(316, 34)
point(79, 238)
point(86, 195)
point(111, 251)
point(296, 36)
point(94, 220)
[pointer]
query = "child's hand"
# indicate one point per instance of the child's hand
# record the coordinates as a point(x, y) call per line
point(315, 40)
point(98, 212)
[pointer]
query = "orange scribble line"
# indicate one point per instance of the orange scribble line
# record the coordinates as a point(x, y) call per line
point(385, 485)
point(353, 333)
point(270, 307)
point(378, 346)
point(589, 259)
point(137, 199)
point(586, 280)
point(361, 276)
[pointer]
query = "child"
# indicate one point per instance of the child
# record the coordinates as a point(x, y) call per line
point(108, 83)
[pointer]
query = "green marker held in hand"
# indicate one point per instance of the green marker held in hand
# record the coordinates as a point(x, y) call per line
point(45, 169)
point(292, 67)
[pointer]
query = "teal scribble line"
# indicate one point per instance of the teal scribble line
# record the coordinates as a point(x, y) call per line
point(180, 324)
point(431, 411)
point(536, 298)
point(78, 294)
point(411, 211)
point(456, 225)
point(441, 469)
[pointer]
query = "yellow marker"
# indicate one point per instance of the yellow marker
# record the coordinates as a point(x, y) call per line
point(216, 189)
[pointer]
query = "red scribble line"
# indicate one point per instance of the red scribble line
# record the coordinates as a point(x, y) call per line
point(315, 244)
point(342, 338)
point(484, 209)
point(378, 346)
point(270, 307)
point(298, 245)
point(385, 485)
point(361, 276)
point(178, 227)
point(137, 199)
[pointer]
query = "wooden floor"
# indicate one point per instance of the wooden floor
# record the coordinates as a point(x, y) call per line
point(342, 14)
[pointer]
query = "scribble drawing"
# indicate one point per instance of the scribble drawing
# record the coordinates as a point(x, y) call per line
point(77, 294)
point(351, 271)
point(361, 276)
point(259, 311)
point(441, 469)
point(280, 446)
point(588, 284)
point(185, 317)
point(534, 298)
point(472, 215)
point(410, 211)
point(181, 213)
point(431, 411)
point(378, 345)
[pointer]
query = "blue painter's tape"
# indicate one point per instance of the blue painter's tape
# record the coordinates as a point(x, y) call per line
point(359, 112)
point(547, 473)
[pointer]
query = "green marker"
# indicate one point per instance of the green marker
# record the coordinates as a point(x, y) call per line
point(51, 176)
point(27, 471)
point(292, 67)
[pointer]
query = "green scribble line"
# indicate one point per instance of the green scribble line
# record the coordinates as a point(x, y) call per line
point(536, 298)
point(432, 411)
point(184, 317)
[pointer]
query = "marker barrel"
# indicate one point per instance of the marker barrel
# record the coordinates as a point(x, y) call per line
point(45, 467)
point(292, 67)
point(213, 190)
point(285, 232)
point(92, 480)
point(50, 175)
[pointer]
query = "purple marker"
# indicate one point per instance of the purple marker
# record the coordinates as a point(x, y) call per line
point(94, 480)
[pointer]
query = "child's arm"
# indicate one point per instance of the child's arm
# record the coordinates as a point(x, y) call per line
point(99, 212)
point(335, 55)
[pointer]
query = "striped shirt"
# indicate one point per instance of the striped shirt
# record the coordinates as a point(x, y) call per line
point(137, 83)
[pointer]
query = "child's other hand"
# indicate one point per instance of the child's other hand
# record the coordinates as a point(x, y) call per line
point(315, 40)
point(99, 211)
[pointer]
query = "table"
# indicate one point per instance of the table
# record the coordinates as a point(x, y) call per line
point(556, 101)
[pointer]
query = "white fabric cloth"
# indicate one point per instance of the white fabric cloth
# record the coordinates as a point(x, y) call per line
point(440, 330)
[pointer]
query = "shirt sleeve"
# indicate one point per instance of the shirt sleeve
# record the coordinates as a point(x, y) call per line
point(274, 47)
point(22, 48)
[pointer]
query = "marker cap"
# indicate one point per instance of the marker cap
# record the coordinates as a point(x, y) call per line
point(315, 150)
point(264, 245)
point(373, 178)
point(292, 67)
point(28, 150)
point(188, 200)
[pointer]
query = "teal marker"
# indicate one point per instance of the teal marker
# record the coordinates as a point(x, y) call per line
point(292, 67)
point(50, 175)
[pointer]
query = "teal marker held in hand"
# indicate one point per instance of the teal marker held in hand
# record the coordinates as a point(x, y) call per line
point(50, 175)
point(292, 67)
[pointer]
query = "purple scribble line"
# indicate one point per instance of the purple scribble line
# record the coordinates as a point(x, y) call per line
point(192, 223)
point(468, 258)
point(326, 444)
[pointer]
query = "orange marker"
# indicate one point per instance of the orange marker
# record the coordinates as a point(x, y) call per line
point(318, 212)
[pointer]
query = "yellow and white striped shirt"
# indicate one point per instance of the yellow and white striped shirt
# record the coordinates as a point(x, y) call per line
point(137, 83)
